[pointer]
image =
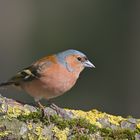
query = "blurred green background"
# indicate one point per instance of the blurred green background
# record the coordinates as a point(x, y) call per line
point(107, 31)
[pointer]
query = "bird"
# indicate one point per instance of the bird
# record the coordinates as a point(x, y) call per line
point(51, 76)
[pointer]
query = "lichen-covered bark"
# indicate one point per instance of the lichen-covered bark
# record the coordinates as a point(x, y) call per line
point(26, 122)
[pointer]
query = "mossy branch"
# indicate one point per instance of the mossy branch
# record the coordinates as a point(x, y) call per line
point(25, 122)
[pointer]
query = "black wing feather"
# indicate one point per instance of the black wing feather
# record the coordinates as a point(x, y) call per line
point(28, 74)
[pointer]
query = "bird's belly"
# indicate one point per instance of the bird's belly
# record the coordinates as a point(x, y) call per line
point(59, 85)
point(50, 87)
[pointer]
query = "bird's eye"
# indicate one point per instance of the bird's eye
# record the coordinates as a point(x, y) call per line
point(85, 58)
point(79, 58)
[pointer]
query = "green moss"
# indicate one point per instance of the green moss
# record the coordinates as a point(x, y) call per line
point(124, 134)
point(59, 121)
point(80, 128)
point(35, 116)
point(105, 132)
point(80, 137)
point(24, 122)
point(73, 123)
point(117, 134)
point(137, 130)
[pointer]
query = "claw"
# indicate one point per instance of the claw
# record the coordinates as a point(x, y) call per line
point(60, 111)
point(63, 113)
point(44, 113)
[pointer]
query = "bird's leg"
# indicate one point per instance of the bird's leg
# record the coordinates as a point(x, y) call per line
point(40, 105)
point(60, 111)
point(43, 111)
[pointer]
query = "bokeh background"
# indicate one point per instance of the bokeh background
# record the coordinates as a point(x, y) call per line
point(107, 31)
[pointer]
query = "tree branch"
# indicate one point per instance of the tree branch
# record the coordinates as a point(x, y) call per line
point(18, 121)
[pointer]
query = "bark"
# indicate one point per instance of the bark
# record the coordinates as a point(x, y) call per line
point(18, 121)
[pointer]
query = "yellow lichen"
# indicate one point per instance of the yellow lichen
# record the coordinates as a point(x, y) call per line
point(3, 107)
point(94, 115)
point(115, 119)
point(38, 130)
point(30, 126)
point(13, 111)
point(16, 111)
point(4, 133)
point(61, 134)
point(90, 116)
point(138, 125)
point(30, 136)
point(25, 112)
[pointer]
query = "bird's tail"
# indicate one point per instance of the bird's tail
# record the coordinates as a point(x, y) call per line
point(6, 84)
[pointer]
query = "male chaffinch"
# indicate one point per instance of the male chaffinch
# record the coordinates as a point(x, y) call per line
point(51, 76)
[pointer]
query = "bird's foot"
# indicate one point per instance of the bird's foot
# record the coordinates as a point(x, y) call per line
point(62, 112)
point(44, 113)
point(50, 111)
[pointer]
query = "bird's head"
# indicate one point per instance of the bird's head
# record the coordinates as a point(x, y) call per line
point(74, 61)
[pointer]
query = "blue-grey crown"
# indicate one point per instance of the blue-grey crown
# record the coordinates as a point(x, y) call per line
point(62, 55)
point(66, 53)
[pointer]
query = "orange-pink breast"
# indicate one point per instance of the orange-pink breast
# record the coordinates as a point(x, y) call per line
point(54, 81)
point(58, 79)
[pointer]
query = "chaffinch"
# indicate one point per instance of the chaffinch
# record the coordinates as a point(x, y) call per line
point(51, 76)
